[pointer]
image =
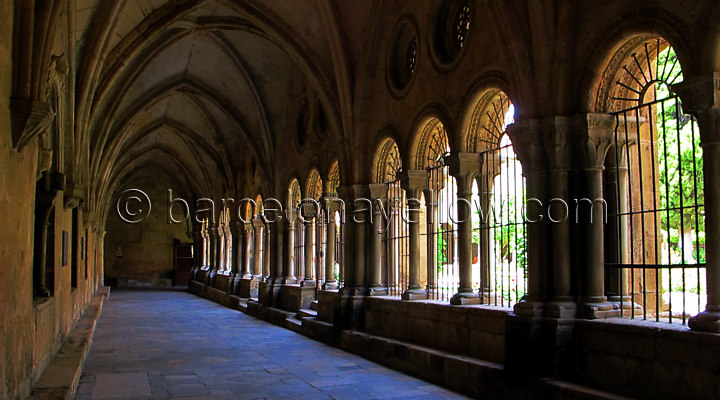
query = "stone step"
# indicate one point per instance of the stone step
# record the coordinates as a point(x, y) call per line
point(293, 320)
point(305, 313)
point(314, 305)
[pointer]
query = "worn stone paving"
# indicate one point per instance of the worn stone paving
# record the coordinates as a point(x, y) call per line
point(170, 344)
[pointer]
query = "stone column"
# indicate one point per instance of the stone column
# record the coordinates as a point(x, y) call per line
point(221, 266)
point(267, 252)
point(556, 133)
point(290, 245)
point(259, 231)
point(413, 182)
point(309, 280)
point(330, 282)
point(214, 256)
point(356, 231)
point(464, 167)
point(593, 135)
point(701, 98)
point(528, 144)
point(236, 255)
point(617, 251)
point(198, 250)
point(431, 205)
point(278, 264)
point(378, 195)
point(486, 290)
point(247, 244)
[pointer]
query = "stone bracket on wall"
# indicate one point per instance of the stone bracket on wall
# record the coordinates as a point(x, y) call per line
point(30, 118)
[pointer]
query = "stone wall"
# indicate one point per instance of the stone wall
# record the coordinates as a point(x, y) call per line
point(645, 360)
point(146, 248)
point(469, 330)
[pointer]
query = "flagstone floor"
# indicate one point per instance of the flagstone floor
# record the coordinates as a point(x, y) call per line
point(170, 344)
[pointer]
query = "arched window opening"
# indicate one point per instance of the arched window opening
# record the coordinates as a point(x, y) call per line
point(314, 218)
point(499, 238)
point(336, 232)
point(439, 230)
point(653, 186)
point(227, 241)
point(294, 199)
point(395, 253)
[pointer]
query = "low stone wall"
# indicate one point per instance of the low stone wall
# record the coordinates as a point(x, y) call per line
point(476, 331)
point(643, 359)
point(465, 348)
point(61, 378)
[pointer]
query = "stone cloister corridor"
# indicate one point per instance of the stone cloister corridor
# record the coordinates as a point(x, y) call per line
point(169, 344)
point(360, 198)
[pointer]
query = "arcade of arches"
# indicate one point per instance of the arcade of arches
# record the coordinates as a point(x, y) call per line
point(506, 198)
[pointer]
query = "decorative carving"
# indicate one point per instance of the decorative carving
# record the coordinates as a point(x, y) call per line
point(527, 143)
point(593, 136)
point(433, 145)
point(464, 167)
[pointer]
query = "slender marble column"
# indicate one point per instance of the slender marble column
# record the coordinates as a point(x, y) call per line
point(259, 230)
point(309, 216)
point(331, 208)
point(701, 98)
point(413, 182)
point(464, 167)
point(528, 144)
point(378, 195)
point(290, 246)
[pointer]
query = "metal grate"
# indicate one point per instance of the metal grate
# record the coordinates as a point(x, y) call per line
point(441, 234)
point(395, 241)
point(499, 229)
point(656, 228)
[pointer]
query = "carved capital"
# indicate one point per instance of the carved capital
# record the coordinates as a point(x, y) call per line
point(593, 136)
point(73, 195)
point(464, 167)
point(556, 134)
point(528, 144)
point(413, 181)
point(378, 191)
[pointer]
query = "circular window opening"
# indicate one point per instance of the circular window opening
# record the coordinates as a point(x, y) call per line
point(451, 32)
point(402, 58)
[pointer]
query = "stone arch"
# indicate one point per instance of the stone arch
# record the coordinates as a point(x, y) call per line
point(486, 121)
point(432, 126)
point(314, 185)
point(294, 194)
point(387, 162)
point(333, 180)
point(612, 48)
point(433, 144)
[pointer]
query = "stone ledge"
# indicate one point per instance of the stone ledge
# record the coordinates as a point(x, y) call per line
point(61, 378)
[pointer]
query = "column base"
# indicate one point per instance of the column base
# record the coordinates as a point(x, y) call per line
point(330, 285)
point(414, 294)
point(560, 309)
point(596, 310)
point(378, 291)
point(248, 288)
point(529, 308)
point(308, 283)
point(706, 321)
point(290, 280)
point(464, 298)
point(624, 303)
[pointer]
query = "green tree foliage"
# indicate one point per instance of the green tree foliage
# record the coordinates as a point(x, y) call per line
point(680, 170)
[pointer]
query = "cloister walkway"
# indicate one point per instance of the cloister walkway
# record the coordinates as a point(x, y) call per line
point(170, 344)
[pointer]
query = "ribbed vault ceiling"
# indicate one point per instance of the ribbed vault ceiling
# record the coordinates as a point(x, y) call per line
point(198, 89)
